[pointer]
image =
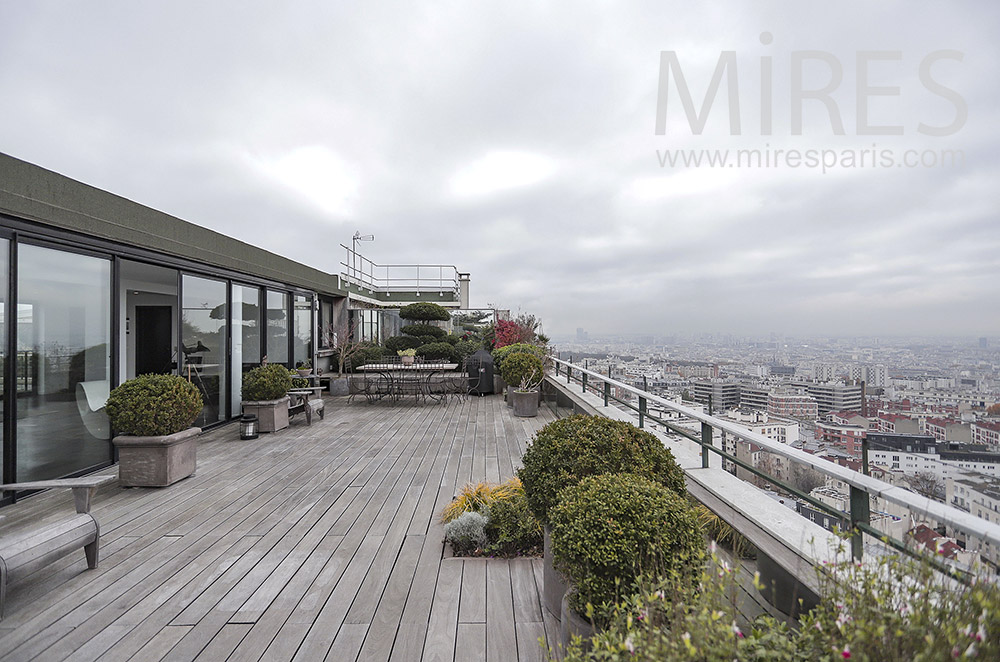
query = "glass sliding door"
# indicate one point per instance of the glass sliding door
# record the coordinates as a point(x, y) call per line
point(302, 338)
point(277, 327)
point(203, 343)
point(4, 264)
point(63, 362)
point(246, 336)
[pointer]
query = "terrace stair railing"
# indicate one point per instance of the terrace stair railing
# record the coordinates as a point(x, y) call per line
point(360, 272)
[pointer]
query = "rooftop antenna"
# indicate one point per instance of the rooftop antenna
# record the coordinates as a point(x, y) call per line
point(354, 249)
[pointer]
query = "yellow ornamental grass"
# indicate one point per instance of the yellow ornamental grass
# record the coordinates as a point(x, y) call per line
point(476, 497)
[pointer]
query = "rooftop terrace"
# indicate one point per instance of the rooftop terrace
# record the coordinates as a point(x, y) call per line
point(312, 543)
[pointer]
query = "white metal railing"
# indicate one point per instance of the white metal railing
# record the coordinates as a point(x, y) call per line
point(361, 272)
point(858, 482)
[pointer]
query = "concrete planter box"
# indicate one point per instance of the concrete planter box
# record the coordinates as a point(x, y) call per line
point(509, 395)
point(525, 403)
point(498, 384)
point(157, 461)
point(571, 624)
point(553, 583)
point(340, 385)
point(272, 415)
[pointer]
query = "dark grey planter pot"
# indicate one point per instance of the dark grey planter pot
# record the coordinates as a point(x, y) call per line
point(509, 395)
point(553, 583)
point(572, 625)
point(157, 461)
point(498, 384)
point(525, 403)
point(272, 415)
point(340, 385)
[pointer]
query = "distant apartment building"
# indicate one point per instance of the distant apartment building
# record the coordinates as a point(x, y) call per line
point(724, 395)
point(753, 397)
point(980, 496)
point(985, 432)
point(848, 437)
point(915, 454)
point(779, 429)
point(946, 429)
point(793, 405)
point(850, 418)
point(839, 499)
point(835, 397)
point(898, 424)
point(824, 372)
point(699, 371)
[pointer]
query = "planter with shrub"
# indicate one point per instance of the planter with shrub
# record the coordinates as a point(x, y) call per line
point(509, 528)
point(568, 450)
point(265, 394)
point(523, 372)
point(152, 416)
point(608, 530)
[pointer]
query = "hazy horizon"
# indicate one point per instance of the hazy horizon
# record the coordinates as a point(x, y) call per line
point(522, 143)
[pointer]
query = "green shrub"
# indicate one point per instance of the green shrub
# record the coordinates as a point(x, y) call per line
point(502, 353)
point(266, 382)
point(521, 367)
point(298, 382)
point(451, 339)
point(438, 351)
point(424, 312)
point(511, 529)
point(466, 348)
point(397, 343)
point(570, 449)
point(153, 405)
point(424, 330)
point(608, 530)
point(466, 533)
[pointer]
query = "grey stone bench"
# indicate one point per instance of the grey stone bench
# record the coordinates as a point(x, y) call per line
point(32, 547)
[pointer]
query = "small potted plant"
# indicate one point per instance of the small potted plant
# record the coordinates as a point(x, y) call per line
point(303, 368)
point(407, 356)
point(265, 394)
point(524, 371)
point(152, 416)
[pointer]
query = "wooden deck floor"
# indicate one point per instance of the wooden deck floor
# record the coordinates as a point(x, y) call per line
point(312, 543)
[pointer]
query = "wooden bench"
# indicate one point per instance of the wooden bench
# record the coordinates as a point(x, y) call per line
point(34, 547)
point(307, 405)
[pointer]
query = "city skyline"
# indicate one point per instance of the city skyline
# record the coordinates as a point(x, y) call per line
point(520, 143)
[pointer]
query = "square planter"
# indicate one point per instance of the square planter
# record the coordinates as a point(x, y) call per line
point(157, 461)
point(272, 415)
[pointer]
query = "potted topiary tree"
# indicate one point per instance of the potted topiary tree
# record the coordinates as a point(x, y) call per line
point(265, 394)
point(524, 371)
point(607, 530)
point(407, 356)
point(568, 450)
point(152, 416)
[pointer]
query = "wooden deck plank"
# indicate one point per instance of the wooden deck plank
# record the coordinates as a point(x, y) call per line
point(310, 543)
point(501, 637)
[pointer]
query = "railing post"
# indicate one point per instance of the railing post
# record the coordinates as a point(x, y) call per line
point(642, 411)
point(864, 456)
point(607, 392)
point(645, 384)
point(584, 382)
point(859, 514)
point(709, 405)
point(706, 441)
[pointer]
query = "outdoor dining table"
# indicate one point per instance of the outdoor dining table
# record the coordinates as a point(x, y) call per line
point(396, 380)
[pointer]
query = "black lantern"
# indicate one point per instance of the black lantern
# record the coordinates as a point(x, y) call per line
point(248, 426)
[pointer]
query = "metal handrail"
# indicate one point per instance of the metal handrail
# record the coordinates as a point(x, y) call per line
point(362, 272)
point(861, 486)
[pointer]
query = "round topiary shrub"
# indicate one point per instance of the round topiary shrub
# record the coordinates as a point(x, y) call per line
point(568, 450)
point(451, 339)
point(424, 330)
point(501, 353)
point(266, 382)
point(153, 405)
point(608, 530)
point(522, 367)
point(438, 351)
point(397, 343)
point(424, 312)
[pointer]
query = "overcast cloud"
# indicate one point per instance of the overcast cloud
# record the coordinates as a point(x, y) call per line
point(516, 141)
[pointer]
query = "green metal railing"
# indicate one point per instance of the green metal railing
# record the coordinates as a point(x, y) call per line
point(861, 485)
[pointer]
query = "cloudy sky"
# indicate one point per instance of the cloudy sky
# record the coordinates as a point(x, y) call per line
point(518, 141)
